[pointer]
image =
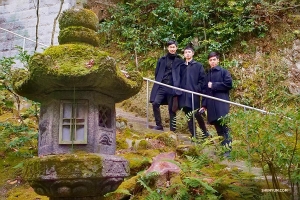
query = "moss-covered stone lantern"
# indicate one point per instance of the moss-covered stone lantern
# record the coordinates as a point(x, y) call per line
point(77, 86)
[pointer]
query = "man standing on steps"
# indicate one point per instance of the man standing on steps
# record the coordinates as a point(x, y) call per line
point(218, 83)
point(168, 72)
point(192, 77)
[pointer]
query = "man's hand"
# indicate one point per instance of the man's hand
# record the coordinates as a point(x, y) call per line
point(202, 110)
point(209, 84)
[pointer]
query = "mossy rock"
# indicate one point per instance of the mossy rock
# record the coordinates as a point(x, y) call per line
point(121, 143)
point(78, 17)
point(75, 34)
point(126, 188)
point(168, 139)
point(66, 67)
point(143, 144)
point(137, 162)
point(150, 153)
point(183, 150)
point(66, 166)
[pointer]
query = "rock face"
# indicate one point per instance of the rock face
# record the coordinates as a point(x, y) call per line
point(77, 86)
point(294, 72)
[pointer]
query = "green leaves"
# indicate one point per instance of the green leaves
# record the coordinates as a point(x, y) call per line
point(272, 140)
point(196, 182)
point(217, 25)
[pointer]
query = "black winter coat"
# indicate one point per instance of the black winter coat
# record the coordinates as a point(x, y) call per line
point(221, 84)
point(159, 73)
point(193, 79)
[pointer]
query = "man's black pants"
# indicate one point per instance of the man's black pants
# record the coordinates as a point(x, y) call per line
point(163, 93)
point(223, 130)
point(191, 122)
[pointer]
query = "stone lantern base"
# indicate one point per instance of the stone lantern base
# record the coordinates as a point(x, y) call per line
point(83, 176)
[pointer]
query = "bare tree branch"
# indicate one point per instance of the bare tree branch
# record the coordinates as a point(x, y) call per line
point(55, 20)
point(37, 25)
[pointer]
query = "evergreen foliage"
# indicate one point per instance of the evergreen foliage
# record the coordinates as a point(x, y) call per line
point(208, 25)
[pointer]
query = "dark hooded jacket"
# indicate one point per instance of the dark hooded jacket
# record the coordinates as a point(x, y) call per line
point(193, 79)
point(160, 72)
point(221, 84)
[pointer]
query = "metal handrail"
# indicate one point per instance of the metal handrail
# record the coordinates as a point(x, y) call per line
point(199, 94)
point(24, 38)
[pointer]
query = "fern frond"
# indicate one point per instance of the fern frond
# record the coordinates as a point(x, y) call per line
point(182, 194)
point(196, 182)
point(197, 162)
point(153, 196)
point(146, 178)
point(144, 184)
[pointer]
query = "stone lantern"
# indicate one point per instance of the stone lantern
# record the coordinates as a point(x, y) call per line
point(77, 85)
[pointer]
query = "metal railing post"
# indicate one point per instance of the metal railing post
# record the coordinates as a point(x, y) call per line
point(147, 103)
point(248, 146)
point(193, 107)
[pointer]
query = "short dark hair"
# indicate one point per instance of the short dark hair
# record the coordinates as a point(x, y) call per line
point(189, 48)
point(213, 54)
point(170, 42)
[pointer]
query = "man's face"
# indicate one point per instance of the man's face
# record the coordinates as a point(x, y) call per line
point(172, 48)
point(213, 61)
point(188, 54)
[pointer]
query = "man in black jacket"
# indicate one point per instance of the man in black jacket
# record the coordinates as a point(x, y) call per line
point(168, 72)
point(218, 83)
point(192, 76)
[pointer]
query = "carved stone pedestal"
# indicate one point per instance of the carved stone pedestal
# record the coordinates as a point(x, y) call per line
point(75, 176)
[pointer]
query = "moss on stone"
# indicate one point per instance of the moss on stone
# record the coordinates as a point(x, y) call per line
point(121, 143)
point(137, 162)
point(150, 153)
point(78, 34)
point(143, 144)
point(67, 66)
point(167, 139)
point(66, 166)
point(131, 185)
point(183, 150)
point(127, 133)
point(78, 17)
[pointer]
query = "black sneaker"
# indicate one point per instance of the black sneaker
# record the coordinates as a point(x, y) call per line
point(159, 128)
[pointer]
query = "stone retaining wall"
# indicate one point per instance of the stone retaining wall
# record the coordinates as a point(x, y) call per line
point(19, 16)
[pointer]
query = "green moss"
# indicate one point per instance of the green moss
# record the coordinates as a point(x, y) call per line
point(121, 143)
point(131, 185)
point(127, 133)
point(137, 162)
point(66, 66)
point(63, 166)
point(74, 34)
point(78, 17)
point(150, 153)
point(167, 139)
point(24, 192)
point(143, 144)
point(183, 150)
